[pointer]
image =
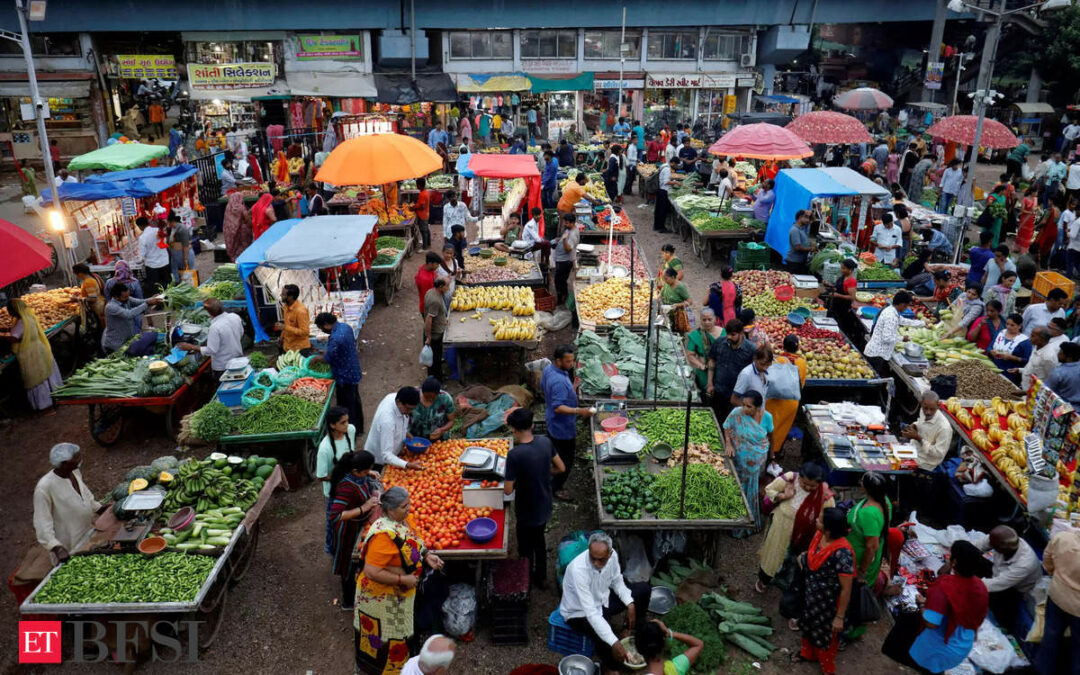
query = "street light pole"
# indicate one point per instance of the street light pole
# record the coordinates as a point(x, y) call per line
point(622, 60)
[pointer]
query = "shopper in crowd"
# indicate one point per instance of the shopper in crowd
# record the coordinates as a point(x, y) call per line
point(698, 342)
point(340, 440)
point(223, 338)
point(663, 199)
point(562, 411)
point(1065, 380)
point(1016, 571)
point(1058, 328)
point(123, 317)
point(1011, 349)
point(799, 245)
point(355, 489)
point(754, 376)
point(1048, 230)
point(344, 363)
point(564, 253)
point(1043, 361)
point(828, 565)
point(942, 636)
point(435, 314)
point(727, 359)
point(394, 558)
point(1061, 560)
point(795, 500)
point(593, 591)
point(455, 212)
point(1041, 314)
point(747, 437)
point(316, 204)
point(633, 156)
point(725, 297)
point(782, 402)
point(973, 307)
point(530, 466)
point(1029, 209)
point(438, 135)
point(869, 521)
point(902, 220)
point(181, 255)
point(465, 131)
point(37, 367)
point(951, 181)
point(1004, 291)
point(651, 642)
point(549, 181)
point(64, 508)
point(676, 297)
point(390, 429)
point(565, 154)
point(91, 288)
point(979, 257)
point(886, 332)
point(615, 173)
point(1027, 265)
point(295, 326)
point(423, 210)
point(262, 215)
point(435, 657)
point(425, 276)
point(154, 251)
point(237, 226)
point(450, 270)
point(764, 200)
point(887, 239)
point(938, 244)
point(435, 414)
point(278, 203)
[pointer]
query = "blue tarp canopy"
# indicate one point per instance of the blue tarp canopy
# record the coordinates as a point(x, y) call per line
point(463, 166)
point(136, 183)
point(308, 244)
point(795, 188)
point(777, 98)
point(856, 181)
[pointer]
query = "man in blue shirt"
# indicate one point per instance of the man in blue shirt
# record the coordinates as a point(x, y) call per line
point(438, 135)
point(639, 133)
point(562, 412)
point(621, 128)
point(1065, 380)
point(344, 366)
point(530, 118)
point(566, 154)
point(937, 242)
point(549, 182)
point(978, 256)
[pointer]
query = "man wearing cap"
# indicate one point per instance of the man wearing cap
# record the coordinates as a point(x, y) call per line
point(390, 429)
point(64, 507)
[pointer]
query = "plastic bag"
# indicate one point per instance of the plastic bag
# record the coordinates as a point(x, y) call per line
point(981, 489)
point(1038, 596)
point(992, 651)
point(668, 542)
point(635, 562)
point(1042, 493)
point(459, 610)
point(570, 547)
point(560, 319)
point(427, 357)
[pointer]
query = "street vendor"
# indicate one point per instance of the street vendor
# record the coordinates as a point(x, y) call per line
point(92, 289)
point(390, 429)
point(1016, 572)
point(573, 193)
point(455, 213)
point(932, 437)
point(594, 591)
point(887, 239)
point(120, 315)
point(295, 326)
point(886, 332)
point(434, 415)
point(842, 297)
point(799, 245)
point(223, 338)
point(562, 412)
point(64, 507)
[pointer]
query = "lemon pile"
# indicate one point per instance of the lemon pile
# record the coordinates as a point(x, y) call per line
point(594, 300)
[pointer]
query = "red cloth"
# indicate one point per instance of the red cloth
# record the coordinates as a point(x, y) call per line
point(511, 166)
point(895, 543)
point(425, 281)
point(806, 517)
point(962, 601)
point(826, 657)
point(816, 557)
point(256, 172)
point(259, 222)
point(423, 205)
point(654, 150)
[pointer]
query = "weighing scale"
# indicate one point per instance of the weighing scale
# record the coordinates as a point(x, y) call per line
point(622, 448)
point(144, 503)
point(915, 367)
point(825, 323)
point(479, 463)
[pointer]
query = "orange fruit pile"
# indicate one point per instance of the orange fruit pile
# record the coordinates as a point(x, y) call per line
point(438, 514)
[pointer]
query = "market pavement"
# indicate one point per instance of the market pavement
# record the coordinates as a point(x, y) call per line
point(283, 617)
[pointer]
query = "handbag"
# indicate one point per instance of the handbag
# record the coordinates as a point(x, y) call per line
point(768, 505)
point(680, 320)
point(864, 606)
point(792, 600)
point(783, 382)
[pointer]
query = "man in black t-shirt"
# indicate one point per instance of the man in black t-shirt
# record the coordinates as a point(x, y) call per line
point(529, 468)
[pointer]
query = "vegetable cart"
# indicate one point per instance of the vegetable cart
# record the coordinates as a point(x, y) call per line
point(478, 334)
point(388, 278)
point(302, 443)
point(712, 244)
point(207, 608)
point(106, 415)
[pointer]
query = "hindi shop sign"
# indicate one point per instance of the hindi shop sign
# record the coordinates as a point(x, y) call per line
point(232, 76)
point(338, 47)
point(689, 81)
point(142, 66)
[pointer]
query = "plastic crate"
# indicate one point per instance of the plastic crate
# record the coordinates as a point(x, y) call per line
point(1048, 281)
point(564, 639)
point(743, 266)
point(545, 301)
point(510, 624)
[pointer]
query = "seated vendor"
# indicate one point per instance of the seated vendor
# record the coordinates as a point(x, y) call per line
point(509, 233)
point(434, 415)
point(64, 508)
point(1016, 572)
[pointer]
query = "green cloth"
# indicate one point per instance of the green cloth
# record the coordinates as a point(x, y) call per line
point(118, 157)
point(680, 665)
point(427, 419)
point(673, 295)
point(674, 264)
point(866, 523)
point(698, 342)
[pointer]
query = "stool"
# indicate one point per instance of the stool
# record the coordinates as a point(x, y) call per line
point(564, 639)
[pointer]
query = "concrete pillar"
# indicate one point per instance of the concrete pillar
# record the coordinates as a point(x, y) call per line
point(1034, 87)
point(933, 51)
point(993, 33)
point(768, 73)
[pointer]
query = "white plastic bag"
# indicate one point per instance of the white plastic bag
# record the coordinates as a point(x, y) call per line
point(635, 563)
point(981, 489)
point(427, 357)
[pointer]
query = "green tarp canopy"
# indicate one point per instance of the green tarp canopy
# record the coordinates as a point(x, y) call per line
point(582, 82)
point(118, 157)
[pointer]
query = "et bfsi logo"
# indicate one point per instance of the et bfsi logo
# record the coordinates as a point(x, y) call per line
point(39, 642)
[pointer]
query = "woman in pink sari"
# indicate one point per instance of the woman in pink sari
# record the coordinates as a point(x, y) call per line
point(262, 215)
point(892, 170)
point(237, 227)
point(466, 131)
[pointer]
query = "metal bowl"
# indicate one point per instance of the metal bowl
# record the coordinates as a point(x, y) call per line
point(619, 271)
point(576, 664)
point(913, 350)
point(614, 313)
point(661, 600)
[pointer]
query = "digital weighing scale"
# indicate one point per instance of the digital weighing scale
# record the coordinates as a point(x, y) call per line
point(479, 463)
point(622, 448)
point(143, 503)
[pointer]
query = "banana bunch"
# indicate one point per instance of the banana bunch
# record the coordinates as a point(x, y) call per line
point(978, 409)
point(954, 407)
point(996, 434)
point(981, 440)
point(204, 487)
point(1000, 407)
point(518, 299)
point(989, 418)
point(1020, 408)
point(1015, 422)
point(964, 417)
point(514, 329)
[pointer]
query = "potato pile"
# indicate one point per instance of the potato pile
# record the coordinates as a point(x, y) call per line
point(51, 307)
point(593, 301)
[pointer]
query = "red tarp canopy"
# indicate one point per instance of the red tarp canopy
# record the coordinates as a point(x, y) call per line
point(22, 254)
point(511, 166)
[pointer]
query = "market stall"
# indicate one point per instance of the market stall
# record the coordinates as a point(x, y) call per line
point(597, 262)
point(633, 367)
point(118, 157)
point(386, 269)
point(496, 170)
point(855, 438)
point(489, 319)
point(713, 225)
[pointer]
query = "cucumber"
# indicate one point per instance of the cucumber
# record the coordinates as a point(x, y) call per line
point(218, 541)
point(206, 547)
point(232, 509)
point(187, 546)
point(182, 535)
point(218, 533)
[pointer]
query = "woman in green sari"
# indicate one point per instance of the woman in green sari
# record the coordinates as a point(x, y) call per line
point(698, 342)
point(869, 522)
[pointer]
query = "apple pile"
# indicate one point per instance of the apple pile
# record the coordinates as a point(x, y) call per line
point(761, 282)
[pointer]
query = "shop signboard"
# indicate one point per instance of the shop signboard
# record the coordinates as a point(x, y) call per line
point(549, 66)
point(729, 104)
point(689, 81)
point(143, 66)
point(232, 76)
point(935, 71)
point(337, 47)
point(618, 84)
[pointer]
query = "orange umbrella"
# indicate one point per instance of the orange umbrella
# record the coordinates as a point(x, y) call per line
point(376, 159)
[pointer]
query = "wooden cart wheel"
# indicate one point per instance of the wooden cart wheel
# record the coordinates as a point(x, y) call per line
point(685, 229)
point(706, 252)
point(65, 349)
point(172, 420)
point(243, 561)
point(310, 460)
point(399, 277)
point(106, 423)
point(211, 621)
point(695, 243)
point(389, 289)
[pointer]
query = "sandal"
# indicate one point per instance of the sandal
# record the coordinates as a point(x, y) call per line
point(759, 588)
point(793, 625)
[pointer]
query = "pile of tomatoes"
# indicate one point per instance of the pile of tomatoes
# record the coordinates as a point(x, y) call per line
point(438, 514)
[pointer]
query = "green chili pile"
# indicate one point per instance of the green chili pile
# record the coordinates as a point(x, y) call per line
point(279, 414)
point(666, 425)
point(709, 496)
point(127, 577)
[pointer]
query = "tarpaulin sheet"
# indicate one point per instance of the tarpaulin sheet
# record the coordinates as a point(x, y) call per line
point(856, 181)
point(401, 90)
point(510, 166)
point(794, 190)
point(88, 192)
point(118, 156)
point(138, 183)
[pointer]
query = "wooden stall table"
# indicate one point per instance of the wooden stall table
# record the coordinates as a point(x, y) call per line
point(479, 334)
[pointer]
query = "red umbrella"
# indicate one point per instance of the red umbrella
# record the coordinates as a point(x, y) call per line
point(961, 129)
point(863, 98)
point(825, 126)
point(761, 141)
point(21, 253)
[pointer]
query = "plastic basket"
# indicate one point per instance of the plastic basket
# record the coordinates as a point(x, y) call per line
point(1048, 281)
point(544, 300)
point(564, 639)
point(254, 396)
point(318, 374)
point(784, 293)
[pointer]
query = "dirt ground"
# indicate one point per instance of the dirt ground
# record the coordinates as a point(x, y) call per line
point(283, 616)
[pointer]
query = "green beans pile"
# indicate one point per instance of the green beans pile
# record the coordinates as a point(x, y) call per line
point(666, 425)
point(709, 495)
point(279, 414)
point(127, 577)
point(390, 242)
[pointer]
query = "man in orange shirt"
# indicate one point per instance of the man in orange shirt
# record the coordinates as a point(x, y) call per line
point(157, 118)
point(573, 193)
point(423, 212)
point(296, 325)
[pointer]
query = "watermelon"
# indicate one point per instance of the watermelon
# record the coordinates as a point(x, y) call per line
point(264, 471)
point(120, 492)
point(119, 512)
point(164, 463)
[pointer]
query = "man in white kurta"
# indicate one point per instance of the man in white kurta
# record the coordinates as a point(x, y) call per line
point(64, 507)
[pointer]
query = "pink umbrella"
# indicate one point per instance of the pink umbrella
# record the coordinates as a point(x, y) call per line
point(825, 126)
point(761, 141)
point(961, 129)
point(863, 98)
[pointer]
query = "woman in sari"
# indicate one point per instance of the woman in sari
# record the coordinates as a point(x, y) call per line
point(262, 215)
point(798, 499)
point(1029, 208)
point(698, 342)
point(892, 168)
point(783, 410)
point(1011, 349)
point(676, 296)
point(1048, 232)
point(747, 435)
point(237, 226)
point(393, 558)
point(869, 522)
point(356, 495)
point(829, 566)
point(40, 374)
point(725, 297)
